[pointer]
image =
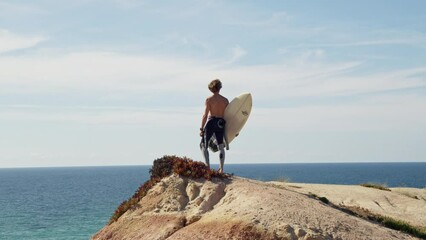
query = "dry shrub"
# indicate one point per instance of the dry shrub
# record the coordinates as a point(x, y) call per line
point(162, 168)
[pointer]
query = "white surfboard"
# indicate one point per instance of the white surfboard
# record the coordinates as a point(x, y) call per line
point(236, 115)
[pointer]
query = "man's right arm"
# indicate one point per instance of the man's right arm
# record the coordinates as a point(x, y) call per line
point(205, 115)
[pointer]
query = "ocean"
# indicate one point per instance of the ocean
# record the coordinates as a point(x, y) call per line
point(75, 202)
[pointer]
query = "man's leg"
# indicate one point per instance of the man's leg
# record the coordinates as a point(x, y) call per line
point(221, 157)
point(205, 146)
point(205, 151)
point(220, 131)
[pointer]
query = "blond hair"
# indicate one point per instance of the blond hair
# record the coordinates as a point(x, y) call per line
point(215, 85)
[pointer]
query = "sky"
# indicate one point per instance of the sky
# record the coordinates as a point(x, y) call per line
point(123, 82)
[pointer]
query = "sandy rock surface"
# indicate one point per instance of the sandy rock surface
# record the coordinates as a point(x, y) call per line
point(407, 204)
point(238, 208)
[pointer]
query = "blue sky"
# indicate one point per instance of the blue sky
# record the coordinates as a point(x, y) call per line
point(111, 82)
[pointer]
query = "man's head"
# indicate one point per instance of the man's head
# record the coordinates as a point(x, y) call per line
point(215, 85)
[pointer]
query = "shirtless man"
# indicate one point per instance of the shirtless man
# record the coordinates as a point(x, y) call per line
point(213, 122)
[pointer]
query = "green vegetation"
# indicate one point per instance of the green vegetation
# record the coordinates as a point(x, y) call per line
point(313, 195)
point(388, 222)
point(162, 168)
point(376, 185)
point(401, 226)
point(322, 199)
point(410, 195)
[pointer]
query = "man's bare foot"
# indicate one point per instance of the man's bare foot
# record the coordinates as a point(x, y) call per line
point(220, 170)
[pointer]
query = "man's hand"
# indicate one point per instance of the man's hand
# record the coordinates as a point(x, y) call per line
point(201, 132)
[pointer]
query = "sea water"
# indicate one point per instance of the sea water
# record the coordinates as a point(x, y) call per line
point(75, 202)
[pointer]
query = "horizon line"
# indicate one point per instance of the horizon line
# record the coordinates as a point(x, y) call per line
point(142, 165)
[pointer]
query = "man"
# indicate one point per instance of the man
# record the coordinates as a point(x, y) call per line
point(213, 123)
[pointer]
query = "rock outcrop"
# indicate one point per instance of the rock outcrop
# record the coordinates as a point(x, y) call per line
point(236, 208)
point(406, 204)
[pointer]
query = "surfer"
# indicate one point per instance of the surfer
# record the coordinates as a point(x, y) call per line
point(213, 124)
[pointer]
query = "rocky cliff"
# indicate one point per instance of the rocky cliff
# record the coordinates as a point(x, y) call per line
point(181, 206)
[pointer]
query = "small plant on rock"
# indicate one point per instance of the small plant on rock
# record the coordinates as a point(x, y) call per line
point(377, 186)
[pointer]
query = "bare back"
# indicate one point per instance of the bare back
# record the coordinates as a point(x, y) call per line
point(216, 105)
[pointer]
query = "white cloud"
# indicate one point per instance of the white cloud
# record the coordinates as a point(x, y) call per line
point(375, 42)
point(374, 113)
point(324, 79)
point(273, 19)
point(131, 3)
point(384, 113)
point(349, 43)
point(315, 53)
point(146, 117)
point(184, 41)
point(388, 37)
point(237, 53)
point(100, 72)
point(10, 41)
